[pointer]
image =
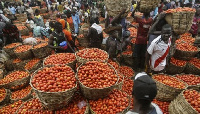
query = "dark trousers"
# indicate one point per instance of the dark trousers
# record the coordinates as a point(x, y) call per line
point(139, 56)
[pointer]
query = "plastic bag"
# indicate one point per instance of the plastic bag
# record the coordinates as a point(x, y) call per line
point(30, 41)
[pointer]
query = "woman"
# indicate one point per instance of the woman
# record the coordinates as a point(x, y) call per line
point(196, 20)
point(58, 37)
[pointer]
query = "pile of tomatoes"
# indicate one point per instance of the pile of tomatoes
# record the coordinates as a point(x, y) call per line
point(115, 103)
point(126, 71)
point(164, 106)
point(170, 81)
point(189, 79)
point(54, 79)
point(95, 74)
point(2, 94)
point(23, 48)
point(16, 75)
point(11, 108)
point(19, 94)
point(127, 86)
point(114, 64)
point(31, 63)
point(17, 60)
point(60, 59)
point(195, 62)
point(12, 45)
point(193, 97)
point(128, 52)
point(40, 45)
point(93, 54)
point(33, 107)
point(186, 47)
point(177, 62)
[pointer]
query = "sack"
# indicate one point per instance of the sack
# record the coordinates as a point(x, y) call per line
point(30, 41)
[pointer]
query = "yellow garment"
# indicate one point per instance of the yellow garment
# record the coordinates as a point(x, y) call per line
point(38, 16)
point(88, 11)
point(60, 8)
point(52, 29)
point(134, 6)
point(68, 27)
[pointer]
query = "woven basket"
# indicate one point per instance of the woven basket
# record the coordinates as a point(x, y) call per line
point(123, 112)
point(20, 65)
point(82, 41)
point(24, 32)
point(120, 84)
point(1, 74)
point(127, 59)
point(185, 55)
point(71, 64)
point(93, 94)
point(24, 55)
point(83, 60)
point(147, 6)
point(191, 69)
point(35, 67)
point(6, 100)
point(167, 93)
point(53, 100)
point(27, 97)
point(16, 82)
point(10, 51)
point(42, 52)
point(173, 69)
point(181, 106)
point(114, 7)
point(9, 65)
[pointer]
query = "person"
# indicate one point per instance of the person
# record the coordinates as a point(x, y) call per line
point(11, 34)
point(30, 21)
point(69, 19)
point(12, 9)
point(144, 91)
point(57, 38)
point(76, 22)
point(160, 7)
point(141, 40)
point(94, 13)
point(29, 10)
point(175, 4)
point(60, 8)
point(157, 56)
point(20, 8)
point(38, 19)
point(2, 25)
point(195, 24)
point(168, 4)
point(95, 35)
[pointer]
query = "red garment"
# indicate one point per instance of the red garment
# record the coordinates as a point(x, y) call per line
point(194, 27)
point(143, 29)
point(160, 9)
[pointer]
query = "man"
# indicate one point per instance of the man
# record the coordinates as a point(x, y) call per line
point(76, 22)
point(156, 57)
point(38, 19)
point(144, 91)
point(95, 35)
point(94, 13)
point(11, 34)
point(141, 40)
point(58, 37)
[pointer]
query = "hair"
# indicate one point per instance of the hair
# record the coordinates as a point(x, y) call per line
point(92, 21)
point(51, 24)
point(57, 25)
point(37, 11)
point(58, 15)
point(166, 26)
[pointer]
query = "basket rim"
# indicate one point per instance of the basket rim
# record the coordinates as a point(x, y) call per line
point(96, 88)
point(49, 92)
point(23, 51)
point(33, 65)
point(188, 74)
point(23, 97)
point(13, 47)
point(40, 47)
point(57, 64)
point(178, 66)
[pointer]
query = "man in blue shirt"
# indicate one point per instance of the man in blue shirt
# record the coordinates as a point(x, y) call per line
point(12, 9)
point(76, 22)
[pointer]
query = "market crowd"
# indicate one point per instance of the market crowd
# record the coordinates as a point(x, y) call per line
point(154, 39)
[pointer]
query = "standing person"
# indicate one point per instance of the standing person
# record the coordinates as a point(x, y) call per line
point(60, 8)
point(11, 34)
point(95, 35)
point(157, 52)
point(30, 21)
point(144, 91)
point(58, 37)
point(20, 8)
point(76, 22)
point(38, 19)
point(94, 13)
point(141, 40)
point(195, 24)
point(69, 19)
point(12, 9)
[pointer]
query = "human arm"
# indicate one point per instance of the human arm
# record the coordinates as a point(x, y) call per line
point(137, 7)
point(50, 43)
point(150, 51)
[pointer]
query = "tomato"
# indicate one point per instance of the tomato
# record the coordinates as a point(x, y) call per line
point(19, 94)
point(177, 62)
point(23, 48)
point(126, 71)
point(11, 108)
point(31, 63)
point(193, 98)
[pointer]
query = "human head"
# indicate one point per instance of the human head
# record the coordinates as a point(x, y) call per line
point(188, 5)
point(92, 21)
point(144, 90)
point(166, 32)
point(37, 12)
point(58, 16)
point(68, 13)
point(51, 24)
point(126, 34)
point(73, 12)
point(58, 27)
point(146, 14)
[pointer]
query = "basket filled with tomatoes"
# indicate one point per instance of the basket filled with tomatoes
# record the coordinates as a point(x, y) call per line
point(19, 64)
point(54, 85)
point(78, 105)
point(168, 87)
point(96, 79)
point(61, 59)
point(147, 6)
point(33, 106)
point(192, 80)
point(127, 57)
point(185, 51)
point(176, 66)
point(23, 52)
point(188, 102)
point(41, 50)
point(117, 102)
point(11, 108)
point(120, 82)
point(23, 94)
point(126, 71)
point(15, 78)
point(83, 40)
point(91, 54)
point(180, 19)
point(9, 49)
point(164, 106)
point(4, 96)
point(193, 66)
point(23, 30)
point(33, 65)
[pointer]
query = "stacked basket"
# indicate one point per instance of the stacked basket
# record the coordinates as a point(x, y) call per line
point(147, 6)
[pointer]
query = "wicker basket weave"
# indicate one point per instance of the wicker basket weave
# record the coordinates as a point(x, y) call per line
point(167, 93)
point(24, 55)
point(6, 100)
point(10, 51)
point(147, 6)
point(114, 7)
point(27, 97)
point(185, 55)
point(42, 52)
point(95, 93)
point(173, 69)
point(53, 100)
point(191, 69)
point(181, 106)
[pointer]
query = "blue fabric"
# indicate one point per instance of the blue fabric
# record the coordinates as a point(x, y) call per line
point(168, 5)
point(123, 23)
point(155, 12)
point(37, 31)
point(12, 10)
point(76, 22)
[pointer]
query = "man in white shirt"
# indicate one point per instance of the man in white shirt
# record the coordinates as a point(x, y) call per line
point(158, 51)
